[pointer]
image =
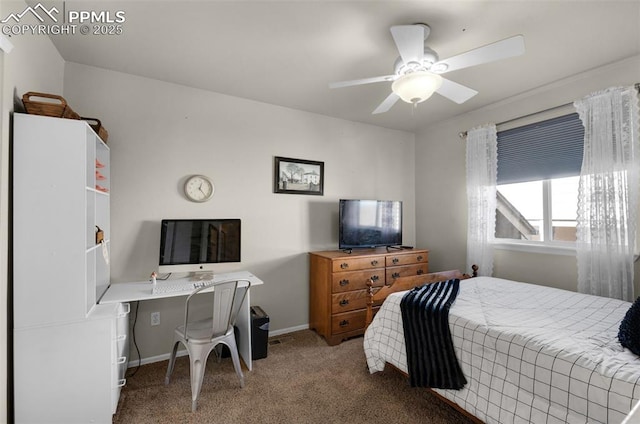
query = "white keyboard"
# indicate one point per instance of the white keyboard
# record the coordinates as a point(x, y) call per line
point(163, 287)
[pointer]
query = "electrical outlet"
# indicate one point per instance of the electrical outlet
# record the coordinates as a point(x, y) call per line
point(155, 318)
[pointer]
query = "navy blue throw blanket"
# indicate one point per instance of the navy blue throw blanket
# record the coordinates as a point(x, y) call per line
point(431, 358)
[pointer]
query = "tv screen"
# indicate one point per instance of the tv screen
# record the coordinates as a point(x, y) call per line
point(369, 223)
point(196, 244)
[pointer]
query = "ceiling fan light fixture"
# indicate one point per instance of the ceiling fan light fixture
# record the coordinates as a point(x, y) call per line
point(416, 87)
point(439, 67)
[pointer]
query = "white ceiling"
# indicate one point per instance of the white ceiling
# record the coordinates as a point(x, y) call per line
point(286, 52)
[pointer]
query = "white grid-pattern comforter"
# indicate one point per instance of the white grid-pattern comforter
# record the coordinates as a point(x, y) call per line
point(531, 354)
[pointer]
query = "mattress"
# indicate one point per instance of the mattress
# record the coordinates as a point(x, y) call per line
point(531, 354)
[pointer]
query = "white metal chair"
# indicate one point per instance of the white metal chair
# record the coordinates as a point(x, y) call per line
point(201, 337)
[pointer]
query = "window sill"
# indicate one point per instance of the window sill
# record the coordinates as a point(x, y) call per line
point(547, 248)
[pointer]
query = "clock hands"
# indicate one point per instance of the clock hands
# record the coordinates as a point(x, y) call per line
point(200, 188)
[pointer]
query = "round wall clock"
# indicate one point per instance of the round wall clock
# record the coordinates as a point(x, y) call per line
point(198, 188)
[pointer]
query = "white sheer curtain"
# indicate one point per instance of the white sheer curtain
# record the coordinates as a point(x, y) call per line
point(482, 169)
point(608, 193)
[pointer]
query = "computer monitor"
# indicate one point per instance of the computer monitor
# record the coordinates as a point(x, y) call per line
point(196, 245)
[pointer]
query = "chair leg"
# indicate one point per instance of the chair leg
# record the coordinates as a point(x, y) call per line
point(198, 359)
point(218, 350)
point(172, 362)
point(231, 342)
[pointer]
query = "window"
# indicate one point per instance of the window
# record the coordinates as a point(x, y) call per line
point(522, 210)
point(537, 187)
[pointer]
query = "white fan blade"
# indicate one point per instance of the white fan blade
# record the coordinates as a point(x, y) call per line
point(386, 104)
point(509, 47)
point(361, 81)
point(455, 92)
point(410, 41)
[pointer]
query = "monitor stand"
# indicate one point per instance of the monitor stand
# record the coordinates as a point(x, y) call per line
point(202, 276)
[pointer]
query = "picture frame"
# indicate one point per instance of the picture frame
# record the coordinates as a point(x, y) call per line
point(298, 176)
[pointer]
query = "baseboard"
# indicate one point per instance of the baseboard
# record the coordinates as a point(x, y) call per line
point(288, 330)
point(165, 356)
point(152, 359)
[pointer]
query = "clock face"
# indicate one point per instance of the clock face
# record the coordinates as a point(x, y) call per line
point(198, 188)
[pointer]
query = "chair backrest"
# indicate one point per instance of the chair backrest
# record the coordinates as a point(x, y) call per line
point(227, 298)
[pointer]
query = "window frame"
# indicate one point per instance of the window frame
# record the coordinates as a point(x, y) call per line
point(547, 245)
point(558, 248)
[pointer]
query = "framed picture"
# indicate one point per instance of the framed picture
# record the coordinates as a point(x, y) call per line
point(298, 176)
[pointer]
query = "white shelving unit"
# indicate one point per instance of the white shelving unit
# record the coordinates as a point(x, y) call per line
point(68, 350)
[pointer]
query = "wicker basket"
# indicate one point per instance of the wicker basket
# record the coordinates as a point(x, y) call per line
point(58, 108)
point(96, 125)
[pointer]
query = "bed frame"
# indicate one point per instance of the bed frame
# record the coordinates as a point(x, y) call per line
point(376, 297)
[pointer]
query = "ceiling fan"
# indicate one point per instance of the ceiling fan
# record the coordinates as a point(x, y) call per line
point(418, 69)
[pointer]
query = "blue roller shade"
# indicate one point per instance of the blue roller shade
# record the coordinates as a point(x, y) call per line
point(544, 150)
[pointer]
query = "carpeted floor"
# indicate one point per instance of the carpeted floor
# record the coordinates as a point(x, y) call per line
point(302, 380)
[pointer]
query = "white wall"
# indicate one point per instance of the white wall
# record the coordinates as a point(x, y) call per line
point(34, 64)
point(160, 133)
point(441, 213)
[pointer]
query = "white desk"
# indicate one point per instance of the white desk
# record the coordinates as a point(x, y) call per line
point(142, 290)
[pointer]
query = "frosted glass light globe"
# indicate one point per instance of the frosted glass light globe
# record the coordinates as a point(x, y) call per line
point(416, 87)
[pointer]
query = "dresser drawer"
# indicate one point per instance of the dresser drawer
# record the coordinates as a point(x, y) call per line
point(349, 301)
point(348, 321)
point(407, 259)
point(357, 280)
point(405, 271)
point(354, 264)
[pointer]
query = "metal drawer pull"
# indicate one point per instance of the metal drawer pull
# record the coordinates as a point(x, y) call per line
point(344, 282)
point(374, 278)
point(419, 258)
point(121, 360)
point(121, 382)
point(374, 263)
point(344, 265)
point(344, 323)
point(395, 274)
point(395, 260)
point(420, 272)
point(344, 302)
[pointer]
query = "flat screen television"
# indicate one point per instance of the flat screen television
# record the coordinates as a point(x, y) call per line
point(369, 223)
point(193, 245)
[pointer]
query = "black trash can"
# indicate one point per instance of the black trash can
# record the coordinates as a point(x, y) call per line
point(226, 353)
point(259, 333)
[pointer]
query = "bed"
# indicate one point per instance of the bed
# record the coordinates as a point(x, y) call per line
point(530, 354)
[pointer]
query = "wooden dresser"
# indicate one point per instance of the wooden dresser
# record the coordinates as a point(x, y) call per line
point(338, 290)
